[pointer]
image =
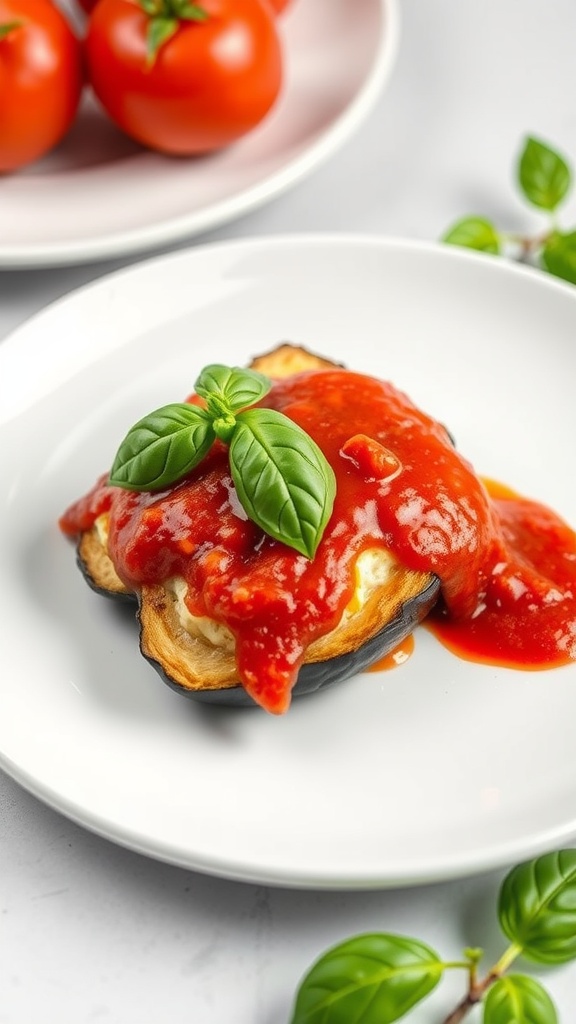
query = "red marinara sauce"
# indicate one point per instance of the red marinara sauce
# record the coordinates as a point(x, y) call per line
point(526, 615)
point(507, 565)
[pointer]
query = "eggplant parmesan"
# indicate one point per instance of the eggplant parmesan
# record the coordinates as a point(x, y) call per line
point(231, 614)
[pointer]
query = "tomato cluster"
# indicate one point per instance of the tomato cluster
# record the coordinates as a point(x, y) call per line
point(182, 77)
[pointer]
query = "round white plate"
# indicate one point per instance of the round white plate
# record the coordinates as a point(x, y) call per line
point(436, 769)
point(99, 195)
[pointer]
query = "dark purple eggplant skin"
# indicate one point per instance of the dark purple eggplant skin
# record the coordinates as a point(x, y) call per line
point(320, 675)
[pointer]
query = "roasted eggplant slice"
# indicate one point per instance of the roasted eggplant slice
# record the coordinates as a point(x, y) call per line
point(196, 669)
point(202, 665)
point(287, 359)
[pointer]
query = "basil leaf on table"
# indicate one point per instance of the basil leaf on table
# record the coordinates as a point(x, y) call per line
point(282, 478)
point(518, 999)
point(370, 979)
point(559, 255)
point(162, 447)
point(474, 233)
point(543, 175)
point(537, 907)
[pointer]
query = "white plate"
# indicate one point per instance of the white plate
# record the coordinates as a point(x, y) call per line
point(436, 769)
point(99, 195)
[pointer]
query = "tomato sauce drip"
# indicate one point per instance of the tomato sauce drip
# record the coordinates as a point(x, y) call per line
point(507, 565)
point(396, 657)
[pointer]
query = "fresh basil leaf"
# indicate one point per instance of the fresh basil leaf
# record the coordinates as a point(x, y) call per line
point(230, 388)
point(518, 999)
point(537, 907)
point(543, 175)
point(161, 448)
point(370, 979)
point(559, 256)
point(283, 480)
point(474, 233)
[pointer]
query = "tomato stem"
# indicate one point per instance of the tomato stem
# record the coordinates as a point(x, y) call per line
point(8, 27)
point(164, 19)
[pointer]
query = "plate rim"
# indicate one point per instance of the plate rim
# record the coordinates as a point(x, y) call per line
point(340, 238)
point(216, 214)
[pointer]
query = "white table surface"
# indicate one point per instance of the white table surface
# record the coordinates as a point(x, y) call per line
point(92, 932)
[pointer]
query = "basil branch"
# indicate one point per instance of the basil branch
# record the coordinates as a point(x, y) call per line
point(283, 481)
point(378, 978)
point(478, 989)
point(545, 179)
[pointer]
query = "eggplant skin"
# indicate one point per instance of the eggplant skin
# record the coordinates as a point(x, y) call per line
point(319, 675)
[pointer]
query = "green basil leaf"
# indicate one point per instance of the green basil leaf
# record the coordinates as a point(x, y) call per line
point(283, 480)
point(474, 233)
point(519, 999)
point(543, 175)
point(537, 907)
point(559, 256)
point(230, 388)
point(370, 979)
point(161, 448)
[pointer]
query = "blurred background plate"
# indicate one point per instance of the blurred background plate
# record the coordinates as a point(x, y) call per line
point(99, 195)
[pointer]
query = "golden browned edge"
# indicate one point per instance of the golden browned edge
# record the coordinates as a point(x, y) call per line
point(194, 663)
point(285, 360)
point(197, 665)
point(97, 564)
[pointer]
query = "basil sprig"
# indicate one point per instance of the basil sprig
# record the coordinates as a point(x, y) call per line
point(378, 978)
point(544, 178)
point(283, 480)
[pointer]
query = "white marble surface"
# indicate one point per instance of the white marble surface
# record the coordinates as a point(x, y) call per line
point(92, 932)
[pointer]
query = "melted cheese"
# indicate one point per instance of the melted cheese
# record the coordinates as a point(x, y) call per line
point(373, 570)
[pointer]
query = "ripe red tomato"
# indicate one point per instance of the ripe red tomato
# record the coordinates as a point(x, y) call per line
point(209, 82)
point(276, 5)
point(40, 80)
